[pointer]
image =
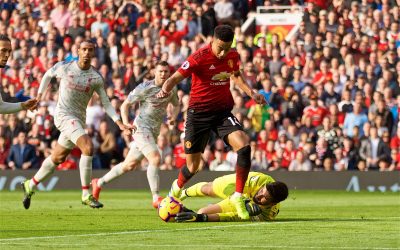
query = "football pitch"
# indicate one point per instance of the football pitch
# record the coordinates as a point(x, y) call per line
point(307, 220)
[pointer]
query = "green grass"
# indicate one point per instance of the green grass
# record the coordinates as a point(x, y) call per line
point(308, 220)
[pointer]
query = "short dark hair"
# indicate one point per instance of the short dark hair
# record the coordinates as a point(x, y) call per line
point(162, 63)
point(224, 33)
point(278, 191)
point(88, 41)
point(4, 38)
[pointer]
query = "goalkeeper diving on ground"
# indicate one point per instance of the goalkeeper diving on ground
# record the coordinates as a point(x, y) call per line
point(263, 195)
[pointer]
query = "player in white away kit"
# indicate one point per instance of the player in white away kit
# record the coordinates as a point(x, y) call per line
point(152, 112)
point(8, 107)
point(79, 80)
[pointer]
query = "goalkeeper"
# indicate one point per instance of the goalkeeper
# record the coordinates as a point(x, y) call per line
point(262, 192)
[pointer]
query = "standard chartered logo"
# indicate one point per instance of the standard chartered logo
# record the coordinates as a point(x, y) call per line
point(14, 183)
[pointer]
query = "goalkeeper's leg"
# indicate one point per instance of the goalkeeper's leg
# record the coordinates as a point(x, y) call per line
point(200, 189)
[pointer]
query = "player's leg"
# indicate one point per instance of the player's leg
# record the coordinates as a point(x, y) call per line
point(197, 133)
point(232, 132)
point(239, 142)
point(153, 176)
point(58, 156)
point(130, 163)
point(85, 144)
point(200, 189)
point(146, 143)
point(186, 173)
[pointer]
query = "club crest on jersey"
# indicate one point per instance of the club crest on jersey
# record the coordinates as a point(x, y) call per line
point(185, 65)
point(230, 63)
point(223, 76)
point(188, 144)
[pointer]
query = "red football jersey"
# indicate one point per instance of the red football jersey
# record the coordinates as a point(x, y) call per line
point(210, 79)
point(317, 114)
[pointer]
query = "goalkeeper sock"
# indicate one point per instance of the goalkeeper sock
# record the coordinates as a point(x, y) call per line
point(85, 169)
point(45, 171)
point(154, 180)
point(111, 175)
point(195, 190)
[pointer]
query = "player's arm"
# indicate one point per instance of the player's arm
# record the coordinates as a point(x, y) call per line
point(9, 107)
point(125, 111)
point(110, 109)
point(215, 213)
point(169, 84)
point(46, 79)
point(237, 79)
point(172, 108)
point(125, 115)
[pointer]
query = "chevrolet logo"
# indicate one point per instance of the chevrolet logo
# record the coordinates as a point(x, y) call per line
point(221, 76)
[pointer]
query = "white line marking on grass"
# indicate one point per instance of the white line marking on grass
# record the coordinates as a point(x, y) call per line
point(188, 246)
point(4, 241)
point(142, 231)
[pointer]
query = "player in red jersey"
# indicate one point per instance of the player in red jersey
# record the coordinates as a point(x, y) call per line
point(212, 68)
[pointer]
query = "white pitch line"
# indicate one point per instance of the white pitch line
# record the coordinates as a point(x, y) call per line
point(3, 241)
point(138, 232)
point(202, 246)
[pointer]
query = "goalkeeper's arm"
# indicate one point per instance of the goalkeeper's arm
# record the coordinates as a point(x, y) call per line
point(189, 216)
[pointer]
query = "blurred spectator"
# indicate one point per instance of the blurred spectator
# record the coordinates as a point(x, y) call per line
point(354, 119)
point(4, 151)
point(61, 16)
point(22, 155)
point(179, 152)
point(325, 87)
point(374, 151)
point(219, 164)
point(107, 145)
point(300, 163)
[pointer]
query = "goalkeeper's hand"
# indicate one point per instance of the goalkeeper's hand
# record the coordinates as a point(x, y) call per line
point(252, 208)
point(191, 217)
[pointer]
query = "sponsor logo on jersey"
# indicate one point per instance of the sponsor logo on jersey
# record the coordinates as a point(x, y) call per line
point(78, 87)
point(212, 66)
point(223, 76)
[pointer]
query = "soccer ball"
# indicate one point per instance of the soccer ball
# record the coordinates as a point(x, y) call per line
point(168, 208)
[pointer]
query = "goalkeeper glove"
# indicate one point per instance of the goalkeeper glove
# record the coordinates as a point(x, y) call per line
point(191, 217)
point(185, 209)
point(252, 208)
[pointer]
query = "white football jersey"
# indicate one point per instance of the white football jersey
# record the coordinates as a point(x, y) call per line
point(75, 90)
point(152, 110)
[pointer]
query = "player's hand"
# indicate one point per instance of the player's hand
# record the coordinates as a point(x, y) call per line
point(185, 209)
point(162, 94)
point(191, 217)
point(252, 208)
point(127, 129)
point(31, 104)
point(259, 98)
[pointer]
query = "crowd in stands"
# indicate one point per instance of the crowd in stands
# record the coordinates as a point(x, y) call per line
point(333, 89)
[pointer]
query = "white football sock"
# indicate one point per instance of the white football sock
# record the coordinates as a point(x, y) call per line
point(115, 172)
point(85, 169)
point(45, 171)
point(153, 178)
